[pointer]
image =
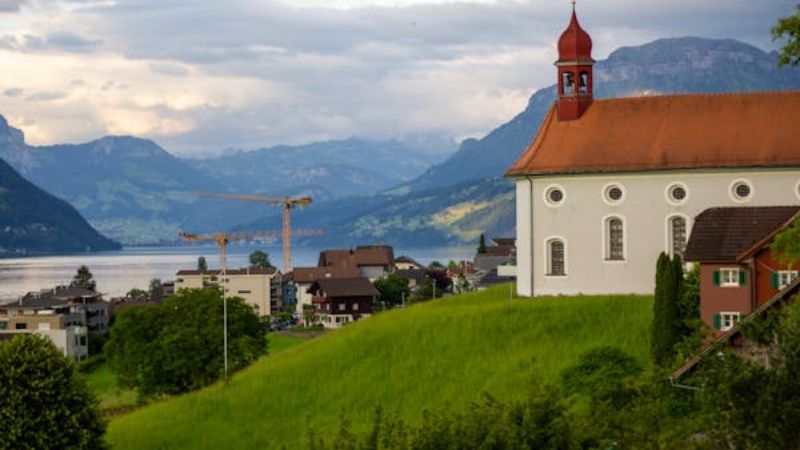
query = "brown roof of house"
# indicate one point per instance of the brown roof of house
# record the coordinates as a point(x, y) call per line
point(244, 271)
point(669, 132)
point(311, 274)
point(367, 255)
point(345, 287)
point(729, 234)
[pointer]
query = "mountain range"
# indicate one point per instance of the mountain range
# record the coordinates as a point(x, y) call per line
point(365, 191)
point(133, 190)
point(35, 222)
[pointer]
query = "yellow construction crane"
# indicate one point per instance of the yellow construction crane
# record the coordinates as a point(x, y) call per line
point(287, 205)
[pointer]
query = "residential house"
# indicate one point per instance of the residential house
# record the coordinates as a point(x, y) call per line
point(404, 262)
point(339, 301)
point(64, 325)
point(415, 277)
point(738, 271)
point(607, 185)
point(733, 339)
point(500, 252)
point(299, 280)
point(72, 299)
point(260, 288)
point(371, 261)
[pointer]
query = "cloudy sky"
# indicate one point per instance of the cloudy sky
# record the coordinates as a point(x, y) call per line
point(199, 76)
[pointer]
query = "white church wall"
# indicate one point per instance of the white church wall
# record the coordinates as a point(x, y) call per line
point(524, 255)
point(579, 221)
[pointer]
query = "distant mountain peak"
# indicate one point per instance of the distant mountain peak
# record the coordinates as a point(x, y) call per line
point(9, 133)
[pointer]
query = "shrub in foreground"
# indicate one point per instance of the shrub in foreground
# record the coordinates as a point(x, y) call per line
point(44, 402)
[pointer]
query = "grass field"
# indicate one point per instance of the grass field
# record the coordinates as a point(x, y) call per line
point(435, 355)
point(103, 383)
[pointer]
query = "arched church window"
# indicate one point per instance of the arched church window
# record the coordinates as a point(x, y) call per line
point(677, 231)
point(615, 239)
point(583, 82)
point(556, 265)
point(568, 83)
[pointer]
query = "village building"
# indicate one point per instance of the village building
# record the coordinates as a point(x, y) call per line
point(296, 285)
point(74, 300)
point(370, 261)
point(339, 301)
point(607, 185)
point(738, 271)
point(260, 288)
point(404, 262)
point(63, 324)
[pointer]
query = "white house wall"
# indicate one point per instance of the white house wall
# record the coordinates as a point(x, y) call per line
point(579, 220)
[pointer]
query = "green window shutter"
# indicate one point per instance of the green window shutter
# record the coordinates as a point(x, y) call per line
point(742, 277)
point(716, 278)
point(776, 282)
point(717, 321)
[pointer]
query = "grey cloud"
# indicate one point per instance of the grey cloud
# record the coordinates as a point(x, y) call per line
point(59, 41)
point(46, 96)
point(11, 5)
point(13, 92)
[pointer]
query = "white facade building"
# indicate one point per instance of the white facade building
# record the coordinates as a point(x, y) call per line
point(259, 288)
point(607, 185)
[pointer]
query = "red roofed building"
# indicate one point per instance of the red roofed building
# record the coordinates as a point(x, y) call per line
point(607, 185)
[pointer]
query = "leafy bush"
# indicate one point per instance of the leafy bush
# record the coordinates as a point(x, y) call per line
point(45, 402)
point(178, 347)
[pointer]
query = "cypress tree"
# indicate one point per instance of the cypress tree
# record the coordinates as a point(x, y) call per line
point(662, 322)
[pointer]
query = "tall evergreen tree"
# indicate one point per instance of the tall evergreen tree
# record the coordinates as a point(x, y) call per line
point(201, 263)
point(482, 244)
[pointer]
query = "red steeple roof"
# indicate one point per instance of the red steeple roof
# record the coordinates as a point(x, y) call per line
point(575, 43)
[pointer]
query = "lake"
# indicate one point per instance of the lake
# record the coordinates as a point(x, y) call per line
point(118, 272)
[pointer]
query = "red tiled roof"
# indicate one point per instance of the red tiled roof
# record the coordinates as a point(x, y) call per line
point(669, 132)
point(726, 234)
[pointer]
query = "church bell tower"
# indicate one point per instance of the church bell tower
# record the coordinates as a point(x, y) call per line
point(574, 71)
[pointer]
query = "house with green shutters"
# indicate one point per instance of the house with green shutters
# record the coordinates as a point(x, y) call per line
point(738, 271)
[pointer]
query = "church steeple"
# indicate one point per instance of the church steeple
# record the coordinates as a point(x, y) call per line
point(574, 70)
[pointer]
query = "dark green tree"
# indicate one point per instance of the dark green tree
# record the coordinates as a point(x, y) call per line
point(788, 28)
point(786, 245)
point(84, 278)
point(45, 401)
point(394, 289)
point(178, 347)
point(482, 244)
point(666, 319)
point(260, 260)
point(201, 263)
point(137, 293)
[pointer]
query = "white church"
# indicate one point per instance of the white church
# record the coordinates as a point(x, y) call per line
point(607, 185)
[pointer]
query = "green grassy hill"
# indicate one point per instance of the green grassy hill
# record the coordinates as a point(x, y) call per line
point(434, 355)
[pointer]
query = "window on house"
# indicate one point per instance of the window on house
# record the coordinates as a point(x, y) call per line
point(341, 306)
point(729, 278)
point(555, 258)
point(783, 278)
point(355, 306)
point(21, 326)
point(615, 245)
point(245, 292)
point(3, 325)
point(677, 229)
point(724, 321)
